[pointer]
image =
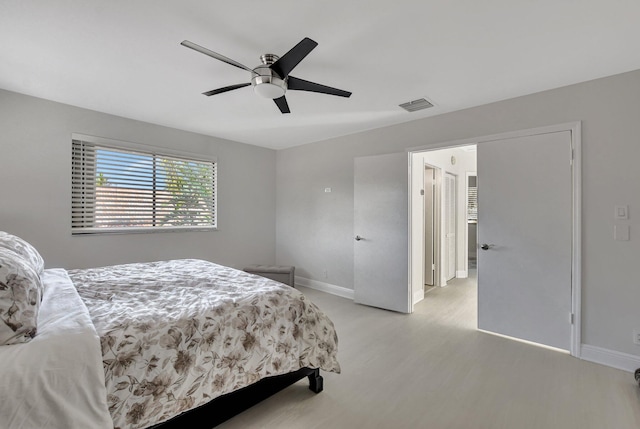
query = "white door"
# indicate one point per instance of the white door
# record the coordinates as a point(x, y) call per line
point(429, 225)
point(381, 229)
point(525, 238)
point(450, 225)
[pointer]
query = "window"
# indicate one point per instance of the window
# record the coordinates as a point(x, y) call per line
point(472, 198)
point(118, 187)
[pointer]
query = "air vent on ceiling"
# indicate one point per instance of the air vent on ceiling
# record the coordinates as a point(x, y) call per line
point(415, 105)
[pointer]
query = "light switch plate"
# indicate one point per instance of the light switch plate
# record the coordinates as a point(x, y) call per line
point(621, 232)
point(621, 212)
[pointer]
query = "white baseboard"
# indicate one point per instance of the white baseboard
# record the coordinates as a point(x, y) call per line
point(324, 287)
point(618, 360)
point(462, 274)
point(418, 296)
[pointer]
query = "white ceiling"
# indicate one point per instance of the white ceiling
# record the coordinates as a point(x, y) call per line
point(124, 57)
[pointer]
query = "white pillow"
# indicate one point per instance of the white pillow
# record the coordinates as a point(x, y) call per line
point(24, 249)
point(21, 292)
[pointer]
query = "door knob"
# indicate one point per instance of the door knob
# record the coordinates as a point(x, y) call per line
point(486, 246)
point(358, 238)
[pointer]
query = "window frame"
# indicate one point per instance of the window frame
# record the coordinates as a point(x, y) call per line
point(145, 150)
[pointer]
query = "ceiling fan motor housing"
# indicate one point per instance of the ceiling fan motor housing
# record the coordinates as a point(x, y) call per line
point(265, 81)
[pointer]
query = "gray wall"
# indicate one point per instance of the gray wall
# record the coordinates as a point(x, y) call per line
point(35, 203)
point(315, 229)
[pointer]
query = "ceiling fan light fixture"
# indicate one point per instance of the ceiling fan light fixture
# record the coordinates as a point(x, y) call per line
point(266, 83)
point(269, 89)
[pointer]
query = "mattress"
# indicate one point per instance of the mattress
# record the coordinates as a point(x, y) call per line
point(177, 334)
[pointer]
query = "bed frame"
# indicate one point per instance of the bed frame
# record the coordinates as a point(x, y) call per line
point(227, 406)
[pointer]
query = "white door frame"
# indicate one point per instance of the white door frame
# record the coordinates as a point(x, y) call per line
point(434, 226)
point(446, 260)
point(576, 242)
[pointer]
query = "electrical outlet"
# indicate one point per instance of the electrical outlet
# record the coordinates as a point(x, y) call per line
point(636, 337)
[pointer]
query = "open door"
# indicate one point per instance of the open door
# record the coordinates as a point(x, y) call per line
point(450, 226)
point(525, 237)
point(429, 225)
point(381, 228)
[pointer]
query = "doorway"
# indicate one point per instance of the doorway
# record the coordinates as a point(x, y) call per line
point(569, 156)
point(442, 230)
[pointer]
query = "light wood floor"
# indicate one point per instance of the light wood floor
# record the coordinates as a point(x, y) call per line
point(433, 369)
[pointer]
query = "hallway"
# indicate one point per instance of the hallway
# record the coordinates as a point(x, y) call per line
point(455, 304)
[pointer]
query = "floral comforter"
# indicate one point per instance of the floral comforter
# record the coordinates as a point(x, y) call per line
point(176, 334)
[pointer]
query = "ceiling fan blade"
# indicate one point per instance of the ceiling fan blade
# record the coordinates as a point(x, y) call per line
point(304, 85)
point(225, 89)
point(282, 104)
point(215, 55)
point(288, 61)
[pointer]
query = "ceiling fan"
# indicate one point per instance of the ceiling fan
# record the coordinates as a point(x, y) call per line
point(271, 79)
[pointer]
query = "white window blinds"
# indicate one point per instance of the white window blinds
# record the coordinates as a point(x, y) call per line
point(472, 199)
point(121, 190)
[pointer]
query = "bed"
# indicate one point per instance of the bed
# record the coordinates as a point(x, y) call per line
point(149, 345)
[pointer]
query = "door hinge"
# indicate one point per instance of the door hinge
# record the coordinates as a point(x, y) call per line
point(421, 191)
point(572, 318)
